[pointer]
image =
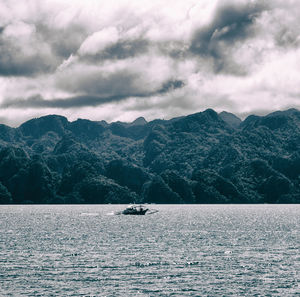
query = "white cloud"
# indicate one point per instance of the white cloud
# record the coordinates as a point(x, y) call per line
point(98, 41)
point(19, 30)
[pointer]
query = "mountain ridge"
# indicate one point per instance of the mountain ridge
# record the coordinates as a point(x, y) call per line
point(205, 157)
point(226, 116)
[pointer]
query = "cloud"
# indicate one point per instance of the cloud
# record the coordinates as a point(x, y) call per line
point(137, 76)
point(160, 58)
point(98, 41)
point(22, 53)
point(63, 42)
point(121, 49)
point(232, 24)
point(283, 25)
point(38, 101)
point(35, 38)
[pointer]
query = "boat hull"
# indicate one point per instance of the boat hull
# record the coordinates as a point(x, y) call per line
point(135, 213)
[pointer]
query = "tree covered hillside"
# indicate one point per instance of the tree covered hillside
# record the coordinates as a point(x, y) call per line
point(201, 158)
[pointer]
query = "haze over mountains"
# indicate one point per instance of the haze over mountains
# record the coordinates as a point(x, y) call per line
point(201, 158)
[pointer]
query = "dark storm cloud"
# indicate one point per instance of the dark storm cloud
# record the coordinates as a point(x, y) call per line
point(123, 49)
point(121, 83)
point(171, 85)
point(13, 63)
point(42, 51)
point(231, 24)
point(70, 102)
point(176, 50)
point(38, 101)
point(63, 42)
point(25, 55)
point(287, 37)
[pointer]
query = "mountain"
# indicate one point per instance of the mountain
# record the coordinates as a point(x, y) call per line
point(138, 122)
point(231, 119)
point(204, 157)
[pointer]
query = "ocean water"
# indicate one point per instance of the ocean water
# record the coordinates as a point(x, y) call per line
point(183, 250)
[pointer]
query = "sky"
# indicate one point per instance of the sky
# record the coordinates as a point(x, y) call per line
point(119, 60)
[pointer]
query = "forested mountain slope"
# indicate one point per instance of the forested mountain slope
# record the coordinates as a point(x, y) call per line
point(201, 158)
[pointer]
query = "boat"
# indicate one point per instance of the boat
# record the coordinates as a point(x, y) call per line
point(134, 210)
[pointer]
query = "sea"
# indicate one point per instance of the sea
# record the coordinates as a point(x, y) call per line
point(181, 250)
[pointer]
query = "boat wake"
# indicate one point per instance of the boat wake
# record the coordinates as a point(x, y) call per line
point(89, 214)
point(152, 211)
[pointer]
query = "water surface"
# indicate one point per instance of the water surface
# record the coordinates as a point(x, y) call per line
point(183, 250)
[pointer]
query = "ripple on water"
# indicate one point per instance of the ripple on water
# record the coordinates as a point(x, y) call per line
point(194, 250)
